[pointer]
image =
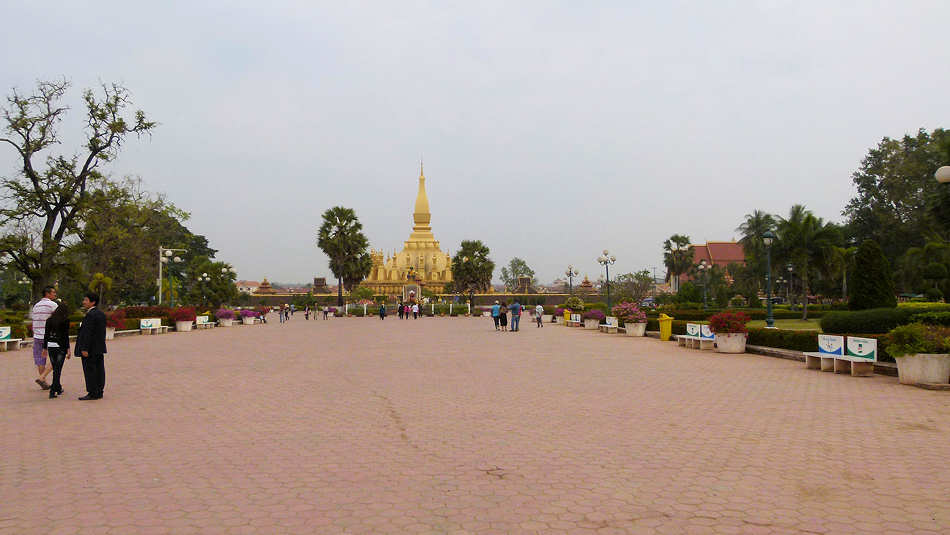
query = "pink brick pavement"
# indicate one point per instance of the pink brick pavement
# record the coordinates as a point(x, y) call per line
point(445, 426)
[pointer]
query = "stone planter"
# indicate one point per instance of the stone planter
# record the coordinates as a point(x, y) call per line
point(547, 318)
point(223, 322)
point(923, 368)
point(591, 324)
point(636, 329)
point(730, 343)
point(110, 333)
point(182, 326)
point(248, 320)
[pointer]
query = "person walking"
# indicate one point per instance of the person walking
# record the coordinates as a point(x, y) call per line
point(495, 310)
point(415, 311)
point(39, 313)
point(399, 309)
point(538, 313)
point(503, 316)
point(306, 313)
point(382, 311)
point(91, 346)
point(56, 346)
point(326, 312)
point(515, 316)
point(280, 315)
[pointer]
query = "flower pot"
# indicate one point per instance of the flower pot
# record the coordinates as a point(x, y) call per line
point(182, 326)
point(546, 318)
point(730, 342)
point(636, 329)
point(591, 324)
point(248, 320)
point(560, 320)
point(923, 368)
point(226, 322)
point(110, 333)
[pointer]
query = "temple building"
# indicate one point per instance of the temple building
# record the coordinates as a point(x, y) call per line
point(420, 264)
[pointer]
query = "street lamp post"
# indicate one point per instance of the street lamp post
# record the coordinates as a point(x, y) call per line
point(26, 283)
point(164, 257)
point(943, 174)
point(203, 279)
point(570, 274)
point(702, 267)
point(767, 238)
point(606, 260)
point(788, 288)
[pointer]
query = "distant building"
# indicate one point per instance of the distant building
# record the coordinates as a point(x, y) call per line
point(247, 287)
point(716, 253)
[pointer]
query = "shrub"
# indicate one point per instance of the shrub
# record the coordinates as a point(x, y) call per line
point(146, 312)
point(116, 319)
point(224, 314)
point(182, 314)
point(933, 294)
point(918, 338)
point(873, 285)
point(783, 339)
point(574, 304)
point(932, 318)
point(729, 322)
point(629, 313)
point(559, 311)
point(875, 320)
point(595, 314)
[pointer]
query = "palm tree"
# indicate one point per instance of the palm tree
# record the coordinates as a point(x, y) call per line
point(806, 241)
point(342, 240)
point(677, 257)
point(752, 229)
point(840, 260)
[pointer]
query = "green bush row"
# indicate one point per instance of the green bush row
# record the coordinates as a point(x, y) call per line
point(783, 339)
point(932, 318)
point(753, 313)
point(874, 320)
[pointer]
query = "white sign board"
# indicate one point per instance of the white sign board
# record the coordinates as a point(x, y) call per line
point(829, 344)
point(706, 333)
point(201, 320)
point(5, 333)
point(692, 329)
point(865, 348)
point(150, 323)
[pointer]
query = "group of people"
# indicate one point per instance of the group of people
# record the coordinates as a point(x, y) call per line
point(405, 309)
point(51, 342)
point(499, 314)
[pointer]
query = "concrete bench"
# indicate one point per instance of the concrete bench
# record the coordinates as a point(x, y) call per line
point(201, 322)
point(152, 326)
point(856, 357)
point(7, 343)
point(575, 321)
point(697, 337)
point(610, 325)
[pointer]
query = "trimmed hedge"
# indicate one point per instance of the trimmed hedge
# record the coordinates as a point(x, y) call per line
point(783, 339)
point(932, 318)
point(874, 320)
point(753, 313)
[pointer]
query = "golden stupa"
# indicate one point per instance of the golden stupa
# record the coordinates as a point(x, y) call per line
point(420, 264)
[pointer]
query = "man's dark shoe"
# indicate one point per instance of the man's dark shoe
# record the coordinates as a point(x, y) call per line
point(87, 397)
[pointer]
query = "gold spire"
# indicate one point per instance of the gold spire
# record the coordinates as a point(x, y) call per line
point(421, 216)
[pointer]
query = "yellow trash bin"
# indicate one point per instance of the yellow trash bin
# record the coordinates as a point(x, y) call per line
point(666, 327)
point(567, 317)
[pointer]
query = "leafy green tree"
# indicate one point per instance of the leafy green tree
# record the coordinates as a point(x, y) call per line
point(806, 241)
point(217, 290)
point(898, 203)
point(677, 257)
point(841, 261)
point(472, 269)
point(516, 268)
point(341, 238)
point(873, 285)
point(361, 293)
point(632, 287)
point(47, 198)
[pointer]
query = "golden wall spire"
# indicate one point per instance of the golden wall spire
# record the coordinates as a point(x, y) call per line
point(421, 215)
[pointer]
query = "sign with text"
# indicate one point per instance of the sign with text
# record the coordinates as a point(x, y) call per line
point(150, 323)
point(692, 329)
point(706, 333)
point(5, 333)
point(201, 320)
point(865, 348)
point(829, 344)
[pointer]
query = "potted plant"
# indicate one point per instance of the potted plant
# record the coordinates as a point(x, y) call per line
point(547, 316)
point(225, 317)
point(183, 318)
point(248, 316)
point(114, 320)
point(331, 311)
point(634, 319)
point(730, 330)
point(921, 352)
point(593, 318)
point(559, 315)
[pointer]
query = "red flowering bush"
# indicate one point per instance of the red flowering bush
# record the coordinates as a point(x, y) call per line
point(146, 312)
point(182, 314)
point(729, 322)
point(116, 319)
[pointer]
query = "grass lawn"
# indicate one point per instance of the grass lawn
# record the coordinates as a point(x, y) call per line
point(795, 325)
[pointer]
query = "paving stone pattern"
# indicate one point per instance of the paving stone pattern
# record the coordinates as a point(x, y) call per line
point(443, 425)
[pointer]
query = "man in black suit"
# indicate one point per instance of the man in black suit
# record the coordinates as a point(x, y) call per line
point(91, 346)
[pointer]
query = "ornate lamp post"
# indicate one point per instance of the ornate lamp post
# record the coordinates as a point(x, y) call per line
point(203, 279)
point(164, 257)
point(570, 274)
point(943, 174)
point(767, 238)
point(703, 267)
point(606, 260)
point(788, 288)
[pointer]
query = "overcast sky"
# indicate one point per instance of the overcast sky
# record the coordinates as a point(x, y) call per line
point(550, 130)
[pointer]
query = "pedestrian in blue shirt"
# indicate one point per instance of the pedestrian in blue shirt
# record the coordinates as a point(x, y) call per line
point(495, 313)
point(515, 315)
